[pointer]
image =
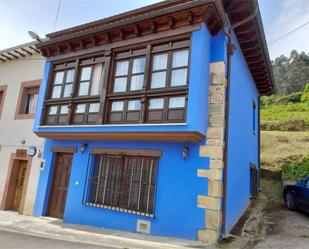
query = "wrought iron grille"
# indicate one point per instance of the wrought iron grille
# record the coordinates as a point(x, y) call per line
point(123, 183)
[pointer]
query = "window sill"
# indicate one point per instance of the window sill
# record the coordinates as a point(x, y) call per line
point(24, 116)
point(119, 209)
point(111, 125)
point(147, 136)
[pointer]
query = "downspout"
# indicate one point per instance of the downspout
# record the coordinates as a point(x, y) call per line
point(230, 51)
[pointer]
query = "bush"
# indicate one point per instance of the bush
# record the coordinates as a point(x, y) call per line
point(296, 169)
point(285, 125)
point(305, 95)
point(266, 101)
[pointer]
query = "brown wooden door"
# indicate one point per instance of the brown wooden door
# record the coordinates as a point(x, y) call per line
point(19, 184)
point(60, 184)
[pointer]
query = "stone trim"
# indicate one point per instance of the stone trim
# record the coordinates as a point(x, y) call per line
point(214, 149)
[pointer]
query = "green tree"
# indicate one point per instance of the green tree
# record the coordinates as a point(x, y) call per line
point(291, 73)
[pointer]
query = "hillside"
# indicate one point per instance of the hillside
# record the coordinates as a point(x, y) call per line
point(285, 129)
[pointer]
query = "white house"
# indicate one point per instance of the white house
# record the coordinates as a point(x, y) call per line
point(21, 68)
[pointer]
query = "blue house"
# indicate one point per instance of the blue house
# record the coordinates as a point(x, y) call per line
point(151, 119)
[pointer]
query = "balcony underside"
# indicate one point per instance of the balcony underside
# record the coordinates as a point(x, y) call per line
point(190, 136)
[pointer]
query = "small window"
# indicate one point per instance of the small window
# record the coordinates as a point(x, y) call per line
point(254, 116)
point(27, 100)
point(168, 109)
point(123, 182)
point(128, 111)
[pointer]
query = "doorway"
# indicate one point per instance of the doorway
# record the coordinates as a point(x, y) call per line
point(16, 185)
point(60, 183)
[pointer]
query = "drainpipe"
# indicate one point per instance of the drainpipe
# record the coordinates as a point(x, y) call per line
point(230, 51)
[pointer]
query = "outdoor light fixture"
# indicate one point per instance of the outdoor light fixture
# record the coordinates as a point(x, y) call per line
point(35, 36)
point(83, 147)
point(185, 151)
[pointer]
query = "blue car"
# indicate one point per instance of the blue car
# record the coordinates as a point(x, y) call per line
point(296, 197)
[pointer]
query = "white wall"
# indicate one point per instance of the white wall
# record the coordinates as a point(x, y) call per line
point(12, 74)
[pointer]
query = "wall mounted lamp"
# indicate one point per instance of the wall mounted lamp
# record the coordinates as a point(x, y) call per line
point(185, 151)
point(83, 147)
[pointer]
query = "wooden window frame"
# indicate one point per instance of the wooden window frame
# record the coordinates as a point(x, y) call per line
point(254, 117)
point(107, 95)
point(3, 89)
point(22, 98)
point(126, 162)
point(72, 101)
point(147, 92)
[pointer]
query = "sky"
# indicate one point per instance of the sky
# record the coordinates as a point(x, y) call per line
point(19, 16)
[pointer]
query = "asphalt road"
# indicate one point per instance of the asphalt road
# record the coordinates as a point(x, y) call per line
point(9, 240)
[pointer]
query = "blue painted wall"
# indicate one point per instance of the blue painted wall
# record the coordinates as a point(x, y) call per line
point(242, 142)
point(176, 211)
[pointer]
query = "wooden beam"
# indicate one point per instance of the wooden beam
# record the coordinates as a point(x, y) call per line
point(190, 17)
point(13, 55)
point(21, 54)
point(7, 57)
point(34, 49)
point(170, 21)
point(27, 51)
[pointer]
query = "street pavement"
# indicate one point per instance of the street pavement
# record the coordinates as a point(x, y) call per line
point(11, 240)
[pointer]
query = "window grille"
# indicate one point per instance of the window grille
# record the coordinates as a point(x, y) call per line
point(124, 183)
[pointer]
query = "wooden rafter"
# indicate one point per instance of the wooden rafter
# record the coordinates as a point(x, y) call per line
point(21, 54)
point(13, 55)
point(27, 51)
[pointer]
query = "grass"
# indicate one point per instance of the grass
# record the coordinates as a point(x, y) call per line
point(291, 111)
point(276, 146)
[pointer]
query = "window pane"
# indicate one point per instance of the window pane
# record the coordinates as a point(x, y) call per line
point(70, 76)
point(81, 108)
point(137, 82)
point(158, 80)
point(117, 106)
point(134, 105)
point(86, 73)
point(56, 92)
point(177, 102)
point(58, 78)
point(94, 107)
point(156, 104)
point(67, 90)
point(122, 68)
point(159, 62)
point(139, 65)
point(96, 79)
point(53, 110)
point(120, 84)
point(180, 58)
point(83, 89)
point(31, 102)
point(64, 109)
point(179, 77)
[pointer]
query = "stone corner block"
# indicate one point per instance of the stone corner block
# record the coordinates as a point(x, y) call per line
point(213, 152)
point(208, 236)
point(215, 188)
point(218, 67)
point(209, 202)
point(213, 219)
point(211, 174)
point(215, 132)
